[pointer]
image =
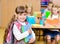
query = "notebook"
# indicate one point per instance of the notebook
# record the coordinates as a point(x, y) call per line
point(25, 28)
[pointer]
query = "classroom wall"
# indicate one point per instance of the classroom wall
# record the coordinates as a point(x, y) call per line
point(8, 7)
point(0, 13)
point(56, 2)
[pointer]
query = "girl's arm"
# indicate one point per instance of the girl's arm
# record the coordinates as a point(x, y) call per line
point(32, 40)
point(18, 35)
point(30, 28)
point(33, 34)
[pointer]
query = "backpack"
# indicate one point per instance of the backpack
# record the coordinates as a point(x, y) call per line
point(10, 37)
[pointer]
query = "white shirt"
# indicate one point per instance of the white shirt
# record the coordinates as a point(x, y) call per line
point(18, 35)
point(55, 16)
point(23, 23)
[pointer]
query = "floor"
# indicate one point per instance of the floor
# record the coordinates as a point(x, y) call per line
point(2, 35)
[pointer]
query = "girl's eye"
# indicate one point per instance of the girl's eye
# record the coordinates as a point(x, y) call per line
point(20, 14)
point(25, 14)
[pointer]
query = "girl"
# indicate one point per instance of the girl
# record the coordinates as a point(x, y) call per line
point(30, 17)
point(21, 18)
point(49, 8)
point(54, 33)
point(29, 10)
point(46, 31)
point(19, 23)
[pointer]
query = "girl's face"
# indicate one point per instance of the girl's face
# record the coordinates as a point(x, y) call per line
point(29, 10)
point(50, 6)
point(21, 17)
point(55, 10)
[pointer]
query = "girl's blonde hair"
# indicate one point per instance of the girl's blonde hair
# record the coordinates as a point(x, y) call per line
point(29, 6)
point(54, 6)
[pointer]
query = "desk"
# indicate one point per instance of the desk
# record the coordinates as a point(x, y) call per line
point(38, 27)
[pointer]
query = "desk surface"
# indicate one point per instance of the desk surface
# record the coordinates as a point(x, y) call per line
point(40, 26)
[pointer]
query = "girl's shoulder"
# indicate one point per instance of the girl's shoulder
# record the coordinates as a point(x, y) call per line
point(18, 25)
point(55, 16)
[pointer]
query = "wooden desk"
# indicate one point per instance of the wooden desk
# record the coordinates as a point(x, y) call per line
point(48, 25)
point(38, 27)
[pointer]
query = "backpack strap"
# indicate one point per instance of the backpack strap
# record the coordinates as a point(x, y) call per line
point(8, 38)
point(26, 23)
point(19, 25)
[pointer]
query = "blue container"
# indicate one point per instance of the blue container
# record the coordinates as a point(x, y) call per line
point(42, 21)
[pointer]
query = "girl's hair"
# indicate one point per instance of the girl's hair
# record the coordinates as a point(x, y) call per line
point(8, 27)
point(27, 6)
point(18, 10)
point(54, 6)
point(50, 3)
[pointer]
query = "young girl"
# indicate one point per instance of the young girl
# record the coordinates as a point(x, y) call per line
point(30, 17)
point(46, 31)
point(54, 33)
point(19, 32)
point(49, 8)
point(29, 9)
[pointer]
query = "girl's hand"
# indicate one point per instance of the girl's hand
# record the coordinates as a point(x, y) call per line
point(30, 31)
point(31, 40)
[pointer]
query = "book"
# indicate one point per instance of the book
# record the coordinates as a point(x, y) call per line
point(31, 19)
